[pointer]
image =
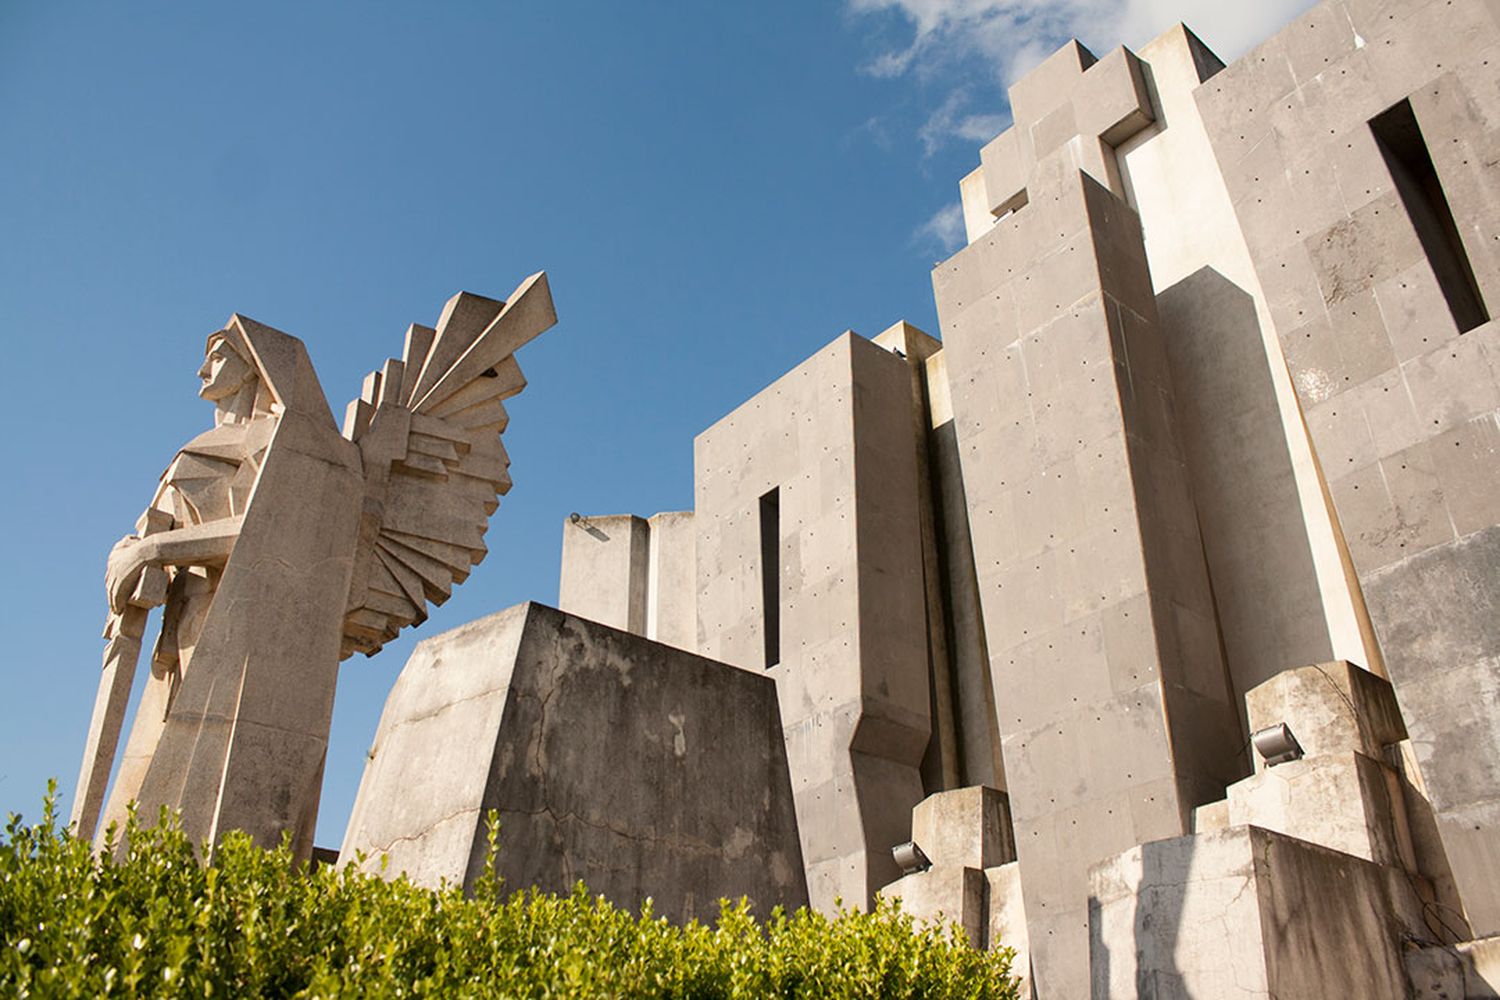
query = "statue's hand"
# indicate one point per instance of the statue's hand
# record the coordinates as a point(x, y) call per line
point(123, 572)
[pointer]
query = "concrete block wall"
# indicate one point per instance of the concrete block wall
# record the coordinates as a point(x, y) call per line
point(608, 758)
point(655, 577)
point(1248, 912)
point(834, 439)
point(1255, 539)
point(1283, 589)
point(1401, 404)
point(633, 573)
point(1312, 883)
point(1340, 793)
point(1114, 706)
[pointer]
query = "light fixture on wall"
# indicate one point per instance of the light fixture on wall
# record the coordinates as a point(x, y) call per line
point(1276, 744)
point(909, 858)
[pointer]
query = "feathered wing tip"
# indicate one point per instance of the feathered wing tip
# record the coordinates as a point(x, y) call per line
point(429, 428)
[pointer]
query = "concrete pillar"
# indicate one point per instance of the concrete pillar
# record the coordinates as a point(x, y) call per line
point(810, 567)
point(978, 728)
point(1115, 712)
point(1255, 538)
point(605, 570)
point(942, 764)
point(672, 580)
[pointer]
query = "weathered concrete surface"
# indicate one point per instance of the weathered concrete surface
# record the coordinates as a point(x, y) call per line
point(833, 439)
point(951, 894)
point(606, 570)
point(1351, 791)
point(1245, 912)
point(1401, 405)
point(1347, 802)
point(1114, 707)
point(1470, 970)
point(1007, 915)
point(973, 880)
point(1332, 708)
point(641, 769)
point(1214, 816)
point(986, 906)
point(1443, 609)
point(964, 827)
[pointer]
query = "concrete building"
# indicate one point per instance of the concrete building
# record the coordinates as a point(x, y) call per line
point(1149, 622)
point(1215, 400)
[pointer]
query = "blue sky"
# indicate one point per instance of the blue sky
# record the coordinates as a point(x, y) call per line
point(716, 190)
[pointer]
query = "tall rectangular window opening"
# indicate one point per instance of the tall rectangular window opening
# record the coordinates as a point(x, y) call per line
point(1405, 151)
point(770, 575)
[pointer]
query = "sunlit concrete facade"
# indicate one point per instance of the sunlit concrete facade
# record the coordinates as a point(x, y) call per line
point(1207, 446)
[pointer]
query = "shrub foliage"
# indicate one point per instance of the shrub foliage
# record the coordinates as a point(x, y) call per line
point(253, 923)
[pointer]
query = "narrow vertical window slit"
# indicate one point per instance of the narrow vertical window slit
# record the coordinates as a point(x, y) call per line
point(1405, 152)
point(770, 575)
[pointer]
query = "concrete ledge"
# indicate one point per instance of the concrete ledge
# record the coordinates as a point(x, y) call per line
point(1248, 912)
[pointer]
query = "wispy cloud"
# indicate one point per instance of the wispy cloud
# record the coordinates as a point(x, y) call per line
point(949, 121)
point(874, 129)
point(962, 54)
point(1010, 36)
point(944, 232)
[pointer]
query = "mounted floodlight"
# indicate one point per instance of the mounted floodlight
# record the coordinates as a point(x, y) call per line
point(1276, 744)
point(909, 858)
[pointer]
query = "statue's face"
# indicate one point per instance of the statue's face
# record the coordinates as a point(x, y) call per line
point(224, 372)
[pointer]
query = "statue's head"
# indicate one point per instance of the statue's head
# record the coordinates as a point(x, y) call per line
point(225, 370)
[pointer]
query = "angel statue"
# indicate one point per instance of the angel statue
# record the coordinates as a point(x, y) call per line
point(277, 546)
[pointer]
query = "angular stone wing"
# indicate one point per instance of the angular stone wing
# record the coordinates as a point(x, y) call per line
point(428, 427)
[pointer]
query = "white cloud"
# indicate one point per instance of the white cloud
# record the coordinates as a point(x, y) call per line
point(1011, 36)
point(968, 51)
point(944, 232)
point(948, 122)
point(1230, 29)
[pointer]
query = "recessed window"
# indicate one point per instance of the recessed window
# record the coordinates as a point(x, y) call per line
point(770, 575)
point(1405, 151)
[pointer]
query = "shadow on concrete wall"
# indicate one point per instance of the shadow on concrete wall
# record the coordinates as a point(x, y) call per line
point(1142, 910)
point(1255, 539)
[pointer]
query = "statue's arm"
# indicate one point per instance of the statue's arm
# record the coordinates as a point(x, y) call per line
point(207, 544)
point(169, 533)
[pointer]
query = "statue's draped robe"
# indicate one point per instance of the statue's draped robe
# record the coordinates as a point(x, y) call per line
point(244, 741)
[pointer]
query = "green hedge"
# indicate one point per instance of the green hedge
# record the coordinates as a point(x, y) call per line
point(254, 924)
